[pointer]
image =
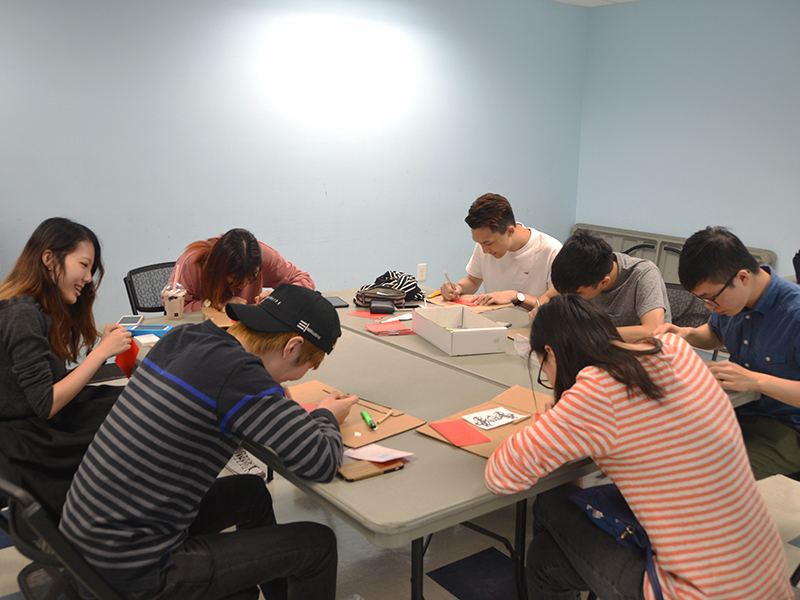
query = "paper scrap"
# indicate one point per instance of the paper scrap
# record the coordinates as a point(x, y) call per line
point(494, 417)
point(376, 453)
point(147, 339)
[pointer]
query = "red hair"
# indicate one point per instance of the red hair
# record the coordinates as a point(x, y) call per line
point(230, 261)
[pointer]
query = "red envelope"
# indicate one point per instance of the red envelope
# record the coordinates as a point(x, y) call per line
point(393, 328)
point(127, 360)
point(460, 433)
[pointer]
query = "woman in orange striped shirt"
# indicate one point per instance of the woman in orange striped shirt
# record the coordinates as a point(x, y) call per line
point(655, 421)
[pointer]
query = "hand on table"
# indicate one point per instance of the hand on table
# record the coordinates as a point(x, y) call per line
point(260, 298)
point(506, 297)
point(733, 377)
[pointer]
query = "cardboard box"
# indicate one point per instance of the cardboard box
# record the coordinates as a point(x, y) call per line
point(458, 331)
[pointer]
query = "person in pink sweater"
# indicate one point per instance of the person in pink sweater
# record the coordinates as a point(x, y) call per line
point(234, 267)
point(655, 421)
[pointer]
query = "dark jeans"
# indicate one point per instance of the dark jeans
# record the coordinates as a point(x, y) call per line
point(570, 554)
point(296, 561)
point(772, 447)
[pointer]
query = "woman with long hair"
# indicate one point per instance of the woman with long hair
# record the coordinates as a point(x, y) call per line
point(652, 417)
point(48, 416)
point(233, 267)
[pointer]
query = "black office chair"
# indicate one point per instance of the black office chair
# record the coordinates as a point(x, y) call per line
point(56, 564)
point(144, 287)
point(687, 309)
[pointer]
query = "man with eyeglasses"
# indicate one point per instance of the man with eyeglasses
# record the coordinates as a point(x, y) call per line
point(756, 317)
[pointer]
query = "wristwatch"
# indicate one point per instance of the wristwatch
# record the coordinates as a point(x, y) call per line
point(519, 299)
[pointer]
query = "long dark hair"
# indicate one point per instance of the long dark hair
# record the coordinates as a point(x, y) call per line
point(581, 335)
point(235, 255)
point(73, 324)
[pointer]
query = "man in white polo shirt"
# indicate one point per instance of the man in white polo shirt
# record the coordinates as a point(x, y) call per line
point(511, 261)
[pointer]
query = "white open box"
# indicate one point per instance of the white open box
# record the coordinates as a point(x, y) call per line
point(458, 331)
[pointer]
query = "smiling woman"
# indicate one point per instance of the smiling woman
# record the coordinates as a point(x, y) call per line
point(338, 73)
point(48, 416)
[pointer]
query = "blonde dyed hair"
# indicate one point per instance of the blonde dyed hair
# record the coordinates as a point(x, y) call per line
point(263, 343)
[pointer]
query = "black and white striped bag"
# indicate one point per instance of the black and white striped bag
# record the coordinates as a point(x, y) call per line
point(395, 286)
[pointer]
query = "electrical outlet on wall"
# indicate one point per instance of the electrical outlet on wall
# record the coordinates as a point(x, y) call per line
point(422, 271)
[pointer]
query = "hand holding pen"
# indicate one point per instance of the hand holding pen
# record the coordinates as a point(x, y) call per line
point(450, 291)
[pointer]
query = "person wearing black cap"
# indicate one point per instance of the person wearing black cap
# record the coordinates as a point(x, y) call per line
point(146, 508)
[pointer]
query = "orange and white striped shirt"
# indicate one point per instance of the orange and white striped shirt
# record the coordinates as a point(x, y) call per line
point(680, 463)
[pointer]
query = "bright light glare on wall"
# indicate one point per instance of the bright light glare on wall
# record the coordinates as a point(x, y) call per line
point(339, 74)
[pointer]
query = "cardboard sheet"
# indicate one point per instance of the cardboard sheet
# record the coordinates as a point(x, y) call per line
point(517, 398)
point(219, 318)
point(355, 432)
point(466, 300)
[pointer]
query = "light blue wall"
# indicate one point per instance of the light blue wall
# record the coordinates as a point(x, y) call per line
point(692, 118)
point(139, 120)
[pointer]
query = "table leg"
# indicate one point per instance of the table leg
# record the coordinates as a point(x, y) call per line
point(417, 554)
point(519, 551)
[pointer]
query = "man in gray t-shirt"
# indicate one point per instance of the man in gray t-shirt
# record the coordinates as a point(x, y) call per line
point(631, 290)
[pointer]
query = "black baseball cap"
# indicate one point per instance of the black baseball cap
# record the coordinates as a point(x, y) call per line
point(292, 308)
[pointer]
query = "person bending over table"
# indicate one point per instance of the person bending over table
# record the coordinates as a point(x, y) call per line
point(510, 260)
point(48, 416)
point(234, 267)
point(146, 508)
point(656, 422)
point(756, 317)
point(630, 290)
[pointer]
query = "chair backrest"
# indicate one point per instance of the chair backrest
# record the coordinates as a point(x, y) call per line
point(687, 309)
point(144, 287)
point(35, 534)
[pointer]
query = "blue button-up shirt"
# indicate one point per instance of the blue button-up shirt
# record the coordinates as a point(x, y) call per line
point(766, 339)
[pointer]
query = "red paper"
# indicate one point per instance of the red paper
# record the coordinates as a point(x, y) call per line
point(309, 406)
point(460, 433)
point(365, 314)
point(127, 360)
point(464, 302)
point(393, 328)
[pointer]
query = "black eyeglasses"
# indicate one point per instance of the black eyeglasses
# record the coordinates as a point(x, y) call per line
point(546, 382)
point(712, 302)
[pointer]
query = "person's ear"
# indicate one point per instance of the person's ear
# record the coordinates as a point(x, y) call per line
point(548, 353)
point(604, 282)
point(292, 347)
point(49, 259)
point(510, 231)
point(744, 276)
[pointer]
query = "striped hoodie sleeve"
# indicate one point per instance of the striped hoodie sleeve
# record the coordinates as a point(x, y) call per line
point(310, 445)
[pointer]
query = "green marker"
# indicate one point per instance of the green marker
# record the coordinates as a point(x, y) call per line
point(369, 420)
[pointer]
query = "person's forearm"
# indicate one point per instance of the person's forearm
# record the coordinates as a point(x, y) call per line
point(783, 390)
point(703, 338)
point(468, 285)
point(66, 389)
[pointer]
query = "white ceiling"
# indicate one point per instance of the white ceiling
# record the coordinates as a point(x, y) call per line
point(593, 3)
